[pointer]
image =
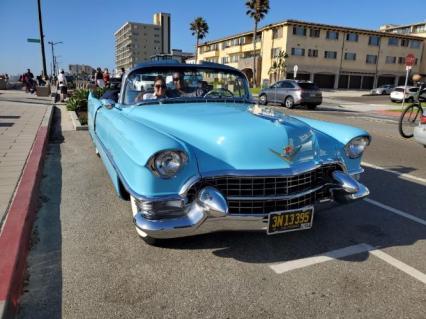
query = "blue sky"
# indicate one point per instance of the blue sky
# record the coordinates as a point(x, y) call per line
point(87, 26)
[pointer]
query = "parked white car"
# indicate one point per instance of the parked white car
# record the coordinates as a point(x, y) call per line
point(397, 94)
point(383, 89)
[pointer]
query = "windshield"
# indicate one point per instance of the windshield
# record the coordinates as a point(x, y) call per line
point(161, 85)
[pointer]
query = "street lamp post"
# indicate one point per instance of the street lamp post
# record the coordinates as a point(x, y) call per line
point(52, 44)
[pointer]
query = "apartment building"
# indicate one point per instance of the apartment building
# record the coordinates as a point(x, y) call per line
point(331, 56)
point(137, 42)
point(416, 29)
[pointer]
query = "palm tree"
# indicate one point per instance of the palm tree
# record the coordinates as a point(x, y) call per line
point(199, 28)
point(279, 66)
point(257, 10)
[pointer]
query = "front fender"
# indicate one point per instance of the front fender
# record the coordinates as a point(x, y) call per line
point(128, 146)
point(332, 138)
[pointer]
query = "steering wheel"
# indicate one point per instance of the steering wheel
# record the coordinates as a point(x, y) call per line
point(218, 93)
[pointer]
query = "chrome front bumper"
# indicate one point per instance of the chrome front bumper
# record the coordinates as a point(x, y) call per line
point(209, 212)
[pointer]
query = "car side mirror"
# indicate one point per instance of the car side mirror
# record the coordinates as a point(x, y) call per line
point(108, 103)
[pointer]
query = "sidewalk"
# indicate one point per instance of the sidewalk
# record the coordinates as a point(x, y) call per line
point(20, 118)
point(24, 131)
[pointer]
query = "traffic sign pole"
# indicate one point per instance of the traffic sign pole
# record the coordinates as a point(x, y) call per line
point(40, 24)
point(409, 62)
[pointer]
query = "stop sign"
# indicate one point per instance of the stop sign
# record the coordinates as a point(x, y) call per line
point(410, 59)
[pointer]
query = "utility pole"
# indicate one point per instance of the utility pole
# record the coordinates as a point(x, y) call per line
point(53, 55)
point(40, 24)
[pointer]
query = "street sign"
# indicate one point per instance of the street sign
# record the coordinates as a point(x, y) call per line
point(410, 59)
point(295, 69)
point(33, 40)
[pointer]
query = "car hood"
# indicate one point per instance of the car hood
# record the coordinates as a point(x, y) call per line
point(230, 136)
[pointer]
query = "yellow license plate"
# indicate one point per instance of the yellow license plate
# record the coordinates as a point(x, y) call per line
point(291, 220)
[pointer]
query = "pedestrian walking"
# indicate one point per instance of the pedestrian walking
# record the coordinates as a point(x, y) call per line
point(99, 78)
point(28, 80)
point(62, 84)
point(122, 73)
point(106, 77)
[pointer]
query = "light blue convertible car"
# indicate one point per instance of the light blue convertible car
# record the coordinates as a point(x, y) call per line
point(193, 154)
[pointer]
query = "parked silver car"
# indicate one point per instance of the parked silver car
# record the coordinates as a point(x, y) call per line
point(292, 92)
point(383, 89)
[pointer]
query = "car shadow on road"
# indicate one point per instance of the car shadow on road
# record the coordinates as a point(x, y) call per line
point(340, 227)
point(43, 292)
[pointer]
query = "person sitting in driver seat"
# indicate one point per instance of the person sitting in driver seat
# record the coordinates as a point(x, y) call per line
point(180, 87)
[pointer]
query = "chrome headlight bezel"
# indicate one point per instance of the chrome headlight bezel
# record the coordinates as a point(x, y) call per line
point(167, 163)
point(356, 146)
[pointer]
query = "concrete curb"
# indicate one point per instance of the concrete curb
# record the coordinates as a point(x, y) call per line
point(15, 236)
point(76, 122)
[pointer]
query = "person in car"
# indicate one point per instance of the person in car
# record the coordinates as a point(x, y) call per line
point(159, 90)
point(180, 87)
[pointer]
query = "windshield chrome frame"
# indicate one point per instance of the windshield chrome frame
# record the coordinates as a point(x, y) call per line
point(182, 67)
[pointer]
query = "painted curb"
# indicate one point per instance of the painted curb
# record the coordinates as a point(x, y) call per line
point(16, 232)
point(76, 122)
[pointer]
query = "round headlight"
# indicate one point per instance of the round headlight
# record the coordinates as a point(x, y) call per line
point(167, 163)
point(356, 146)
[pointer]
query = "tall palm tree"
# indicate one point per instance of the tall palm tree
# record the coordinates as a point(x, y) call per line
point(257, 10)
point(199, 28)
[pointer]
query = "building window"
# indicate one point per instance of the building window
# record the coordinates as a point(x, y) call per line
point(371, 59)
point(352, 37)
point(332, 35)
point(299, 31)
point(275, 52)
point(404, 42)
point(313, 53)
point(234, 58)
point(314, 33)
point(297, 51)
point(392, 41)
point(225, 60)
point(350, 56)
point(374, 40)
point(330, 54)
point(401, 60)
point(277, 33)
point(390, 59)
point(414, 44)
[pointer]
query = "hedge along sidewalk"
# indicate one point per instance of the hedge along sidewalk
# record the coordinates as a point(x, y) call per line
point(16, 231)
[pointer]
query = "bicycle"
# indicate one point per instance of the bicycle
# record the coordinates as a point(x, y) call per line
point(410, 117)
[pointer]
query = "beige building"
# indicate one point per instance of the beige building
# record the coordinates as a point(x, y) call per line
point(137, 42)
point(331, 56)
point(75, 69)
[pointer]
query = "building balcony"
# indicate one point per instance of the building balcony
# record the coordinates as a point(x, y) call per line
point(209, 54)
point(233, 49)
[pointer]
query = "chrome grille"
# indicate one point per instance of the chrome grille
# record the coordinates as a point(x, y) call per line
point(241, 191)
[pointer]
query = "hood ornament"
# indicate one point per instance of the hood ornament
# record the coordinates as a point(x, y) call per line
point(287, 152)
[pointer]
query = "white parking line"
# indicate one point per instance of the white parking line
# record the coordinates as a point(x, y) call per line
point(400, 265)
point(334, 254)
point(408, 176)
point(281, 268)
point(396, 211)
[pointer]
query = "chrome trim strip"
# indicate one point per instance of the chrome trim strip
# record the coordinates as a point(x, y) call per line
point(283, 197)
point(291, 171)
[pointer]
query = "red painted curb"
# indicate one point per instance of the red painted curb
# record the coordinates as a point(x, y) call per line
point(15, 236)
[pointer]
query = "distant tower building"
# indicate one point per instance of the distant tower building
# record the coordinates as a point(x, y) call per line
point(163, 20)
point(137, 42)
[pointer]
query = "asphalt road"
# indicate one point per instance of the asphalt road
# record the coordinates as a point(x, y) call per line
point(363, 260)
